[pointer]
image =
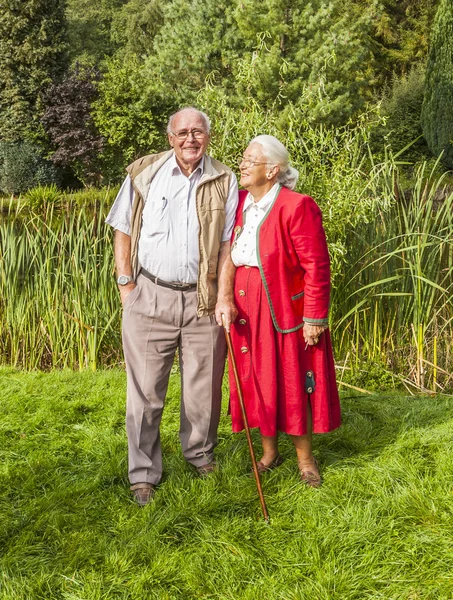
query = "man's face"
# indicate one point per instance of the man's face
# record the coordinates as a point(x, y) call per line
point(190, 150)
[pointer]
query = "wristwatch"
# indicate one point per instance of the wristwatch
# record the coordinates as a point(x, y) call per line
point(124, 279)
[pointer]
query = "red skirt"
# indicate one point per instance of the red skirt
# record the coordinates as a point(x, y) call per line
point(272, 368)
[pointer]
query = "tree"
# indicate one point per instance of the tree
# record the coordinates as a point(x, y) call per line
point(310, 44)
point(32, 54)
point(437, 111)
point(196, 38)
point(129, 109)
point(135, 26)
point(69, 125)
point(89, 29)
point(401, 36)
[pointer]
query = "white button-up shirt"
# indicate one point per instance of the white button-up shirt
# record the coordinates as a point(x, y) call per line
point(244, 249)
point(168, 244)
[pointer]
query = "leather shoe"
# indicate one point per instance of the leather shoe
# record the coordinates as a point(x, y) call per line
point(310, 475)
point(262, 468)
point(205, 470)
point(143, 493)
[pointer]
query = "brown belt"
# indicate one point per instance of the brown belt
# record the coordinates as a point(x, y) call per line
point(179, 287)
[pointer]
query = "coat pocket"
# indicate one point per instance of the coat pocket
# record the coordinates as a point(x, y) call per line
point(297, 296)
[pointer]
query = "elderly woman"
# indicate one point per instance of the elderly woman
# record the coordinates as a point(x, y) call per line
point(281, 291)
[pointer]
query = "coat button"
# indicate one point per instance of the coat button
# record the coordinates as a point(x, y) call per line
point(244, 349)
point(241, 293)
point(310, 390)
point(242, 321)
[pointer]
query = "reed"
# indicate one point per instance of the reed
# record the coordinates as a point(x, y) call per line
point(395, 307)
point(58, 302)
point(392, 304)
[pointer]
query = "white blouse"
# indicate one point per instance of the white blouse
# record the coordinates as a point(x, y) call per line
point(243, 251)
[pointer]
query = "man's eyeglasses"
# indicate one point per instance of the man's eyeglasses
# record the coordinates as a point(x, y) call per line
point(247, 162)
point(182, 135)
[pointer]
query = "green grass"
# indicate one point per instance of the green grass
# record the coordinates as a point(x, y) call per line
point(380, 527)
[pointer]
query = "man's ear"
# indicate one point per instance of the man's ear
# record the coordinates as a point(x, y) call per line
point(170, 139)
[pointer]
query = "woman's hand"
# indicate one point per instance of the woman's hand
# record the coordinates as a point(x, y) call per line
point(312, 333)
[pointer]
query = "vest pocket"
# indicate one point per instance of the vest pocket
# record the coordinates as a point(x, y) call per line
point(212, 204)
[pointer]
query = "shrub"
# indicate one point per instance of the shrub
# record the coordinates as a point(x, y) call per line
point(41, 196)
point(401, 108)
point(22, 167)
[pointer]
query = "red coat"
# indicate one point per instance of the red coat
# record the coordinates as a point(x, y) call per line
point(293, 260)
point(293, 284)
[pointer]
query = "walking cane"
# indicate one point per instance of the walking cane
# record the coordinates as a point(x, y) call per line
point(246, 425)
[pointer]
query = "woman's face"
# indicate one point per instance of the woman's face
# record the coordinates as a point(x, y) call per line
point(254, 167)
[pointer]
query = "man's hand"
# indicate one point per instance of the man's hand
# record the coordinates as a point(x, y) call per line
point(312, 333)
point(225, 312)
point(125, 290)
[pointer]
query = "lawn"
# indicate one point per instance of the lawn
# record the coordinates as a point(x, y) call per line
point(380, 527)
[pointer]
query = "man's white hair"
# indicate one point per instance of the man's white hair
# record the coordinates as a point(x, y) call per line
point(204, 116)
point(277, 154)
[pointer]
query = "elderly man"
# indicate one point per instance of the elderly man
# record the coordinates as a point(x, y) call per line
point(173, 218)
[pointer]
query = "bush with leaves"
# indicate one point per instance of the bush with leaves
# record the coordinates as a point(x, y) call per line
point(39, 197)
point(401, 108)
point(131, 111)
point(22, 167)
point(69, 125)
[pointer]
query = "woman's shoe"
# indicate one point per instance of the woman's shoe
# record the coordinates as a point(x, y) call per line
point(310, 474)
point(262, 468)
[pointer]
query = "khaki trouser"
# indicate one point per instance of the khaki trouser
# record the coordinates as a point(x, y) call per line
point(156, 322)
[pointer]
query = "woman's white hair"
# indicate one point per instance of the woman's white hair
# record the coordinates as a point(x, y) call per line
point(277, 154)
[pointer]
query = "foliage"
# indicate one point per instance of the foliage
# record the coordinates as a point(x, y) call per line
point(380, 527)
point(69, 125)
point(392, 265)
point(303, 39)
point(437, 113)
point(39, 197)
point(59, 305)
point(126, 111)
point(32, 54)
point(401, 108)
point(135, 26)
point(395, 306)
point(89, 30)
point(196, 38)
point(333, 162)
point(401, 36)
point(22, 166)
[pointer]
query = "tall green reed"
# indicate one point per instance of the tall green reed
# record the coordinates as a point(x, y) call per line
point(392, 301)
point(395, 306)
point(58, 302)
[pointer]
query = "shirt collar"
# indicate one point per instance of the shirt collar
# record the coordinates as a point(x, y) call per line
point(265, 200)
point(176, 170)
